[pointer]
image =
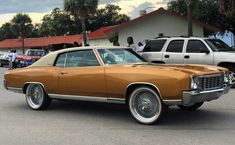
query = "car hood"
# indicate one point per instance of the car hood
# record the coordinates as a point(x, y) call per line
point(190, 69)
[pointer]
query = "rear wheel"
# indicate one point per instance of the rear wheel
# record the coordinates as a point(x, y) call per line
point(145, 105)
point(1, 65)
point(191, 107)
point(36, 97)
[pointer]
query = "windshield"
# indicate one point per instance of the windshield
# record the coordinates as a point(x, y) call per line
point(218, 45)
point(119, 56)
point(35, 53)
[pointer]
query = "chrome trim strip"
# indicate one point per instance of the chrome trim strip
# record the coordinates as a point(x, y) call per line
point(88, 98)
point(16, 90)
point(144, 83)
point(98, 57)
point(65, 59)
point(210, 91)
point(172, 102)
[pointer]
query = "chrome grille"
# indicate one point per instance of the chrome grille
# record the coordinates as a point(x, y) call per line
point(211, 82)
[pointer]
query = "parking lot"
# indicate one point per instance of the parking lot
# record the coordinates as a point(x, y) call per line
point(74, 122)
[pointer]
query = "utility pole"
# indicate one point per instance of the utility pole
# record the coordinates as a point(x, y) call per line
point(189, 16)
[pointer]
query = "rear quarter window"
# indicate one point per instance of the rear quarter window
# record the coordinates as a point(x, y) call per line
point(154, 45)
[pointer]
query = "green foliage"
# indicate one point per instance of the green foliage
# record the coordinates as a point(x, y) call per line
point(206, 11)
point(58, 23)
point(82, 9)
point(21, 25)
point(108, 16)
point(227, 8)
point(6, 32)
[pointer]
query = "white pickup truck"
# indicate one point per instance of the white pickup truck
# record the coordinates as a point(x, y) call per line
point(191, 50)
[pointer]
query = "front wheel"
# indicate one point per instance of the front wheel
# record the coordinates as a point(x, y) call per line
point(145, 105)
point(36, 97)
point(191, 107)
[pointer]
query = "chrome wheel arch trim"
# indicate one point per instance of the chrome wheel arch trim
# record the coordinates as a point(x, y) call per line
point(144, 83)
point(27, 83)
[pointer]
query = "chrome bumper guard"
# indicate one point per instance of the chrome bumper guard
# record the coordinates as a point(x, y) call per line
point(192, 97)
point(5, 84)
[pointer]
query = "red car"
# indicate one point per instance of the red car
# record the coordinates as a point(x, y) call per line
point(31, 56)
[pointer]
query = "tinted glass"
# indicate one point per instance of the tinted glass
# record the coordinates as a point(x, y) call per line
point(196, 46)
point(154, 45)
point(175, 46)
point(60, 60)
point(82, 58)
point(119, 56)
point(218, 45)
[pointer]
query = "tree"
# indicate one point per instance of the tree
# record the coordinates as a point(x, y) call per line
point(58, 23)
point(82, 9)
point(107, 16)
point(206, 11)
point(6, 32)
point(22, 25)
point(227, 8)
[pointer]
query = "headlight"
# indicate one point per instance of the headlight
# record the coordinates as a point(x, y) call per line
point(226, 78)
point(194, 83)
point(229, 78)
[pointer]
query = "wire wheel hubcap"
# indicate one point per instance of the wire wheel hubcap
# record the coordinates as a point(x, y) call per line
point(145, 105)
point(35, 96)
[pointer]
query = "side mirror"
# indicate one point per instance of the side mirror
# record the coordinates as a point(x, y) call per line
point(205, 51)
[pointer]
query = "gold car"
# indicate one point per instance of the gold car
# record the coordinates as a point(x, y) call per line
point(117, 75)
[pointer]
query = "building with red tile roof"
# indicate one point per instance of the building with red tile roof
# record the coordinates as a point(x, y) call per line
point(161, 21)
point(40, 42)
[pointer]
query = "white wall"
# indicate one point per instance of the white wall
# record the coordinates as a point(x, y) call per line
point(150, 27)
point(100, 42)
point(19, 50)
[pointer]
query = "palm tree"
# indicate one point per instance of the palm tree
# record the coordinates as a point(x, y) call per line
point(189, 15)
point(82, 9)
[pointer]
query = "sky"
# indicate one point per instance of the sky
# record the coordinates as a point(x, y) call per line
point(38, 8)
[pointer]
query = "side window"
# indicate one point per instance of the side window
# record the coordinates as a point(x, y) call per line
point(60, 60)
point(196, 46)
point(175, 46)
point(83, 58)
point(154, 45)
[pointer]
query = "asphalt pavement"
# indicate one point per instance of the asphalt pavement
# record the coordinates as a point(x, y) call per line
point(84, 123)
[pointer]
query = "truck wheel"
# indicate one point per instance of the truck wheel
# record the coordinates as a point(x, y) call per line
point(191, 107)
point(36, 97)
point(145, 105)
point(1, 65)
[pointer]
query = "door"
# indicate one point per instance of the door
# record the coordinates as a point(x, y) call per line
point(82, 74)
point(197, 53)
point(173, 53)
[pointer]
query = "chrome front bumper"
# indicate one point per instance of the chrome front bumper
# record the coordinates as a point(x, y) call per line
point(192, 97)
